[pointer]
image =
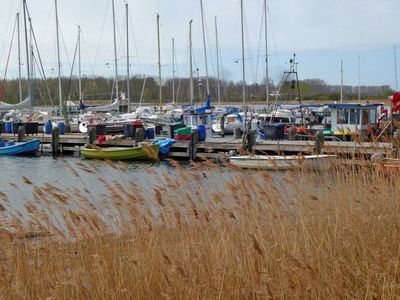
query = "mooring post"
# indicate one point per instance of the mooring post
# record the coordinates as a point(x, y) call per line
point(21, 133)
point(292, 133)
point(222, 126)
point(319, 142)
point(194, 138)
point(251, 140)
point(92, 135)
point(55, 140)
point(139, 136)
point(237, 133)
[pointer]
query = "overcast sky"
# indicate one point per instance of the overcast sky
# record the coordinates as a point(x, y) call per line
point(322, 33)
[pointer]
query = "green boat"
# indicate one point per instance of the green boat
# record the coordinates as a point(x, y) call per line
point(142, 152)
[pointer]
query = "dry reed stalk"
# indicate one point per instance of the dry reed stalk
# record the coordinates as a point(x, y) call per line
point(212, 235)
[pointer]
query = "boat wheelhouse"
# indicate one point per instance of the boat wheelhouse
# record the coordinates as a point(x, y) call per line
point(349, 118)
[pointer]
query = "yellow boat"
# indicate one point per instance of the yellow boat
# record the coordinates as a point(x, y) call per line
point(142, 152)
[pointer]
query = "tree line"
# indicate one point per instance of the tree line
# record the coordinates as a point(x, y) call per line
point(147, 90)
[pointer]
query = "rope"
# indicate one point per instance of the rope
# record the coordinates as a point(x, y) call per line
point(3, 86)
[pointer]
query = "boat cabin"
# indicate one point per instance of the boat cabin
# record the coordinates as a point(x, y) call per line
point(194, 119)
point(349, 118)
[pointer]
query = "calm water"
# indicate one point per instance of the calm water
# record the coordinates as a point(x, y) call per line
point(57, 172)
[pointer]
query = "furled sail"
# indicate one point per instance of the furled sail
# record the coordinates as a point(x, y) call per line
point(27, 103)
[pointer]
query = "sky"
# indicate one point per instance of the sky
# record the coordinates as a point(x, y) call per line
point(361, 33)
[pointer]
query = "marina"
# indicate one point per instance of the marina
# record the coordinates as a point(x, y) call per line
point(199, 149)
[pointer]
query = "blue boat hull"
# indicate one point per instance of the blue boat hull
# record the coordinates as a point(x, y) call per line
point(21, 148)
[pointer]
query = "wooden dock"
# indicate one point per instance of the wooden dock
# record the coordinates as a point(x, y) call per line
point(218, 147)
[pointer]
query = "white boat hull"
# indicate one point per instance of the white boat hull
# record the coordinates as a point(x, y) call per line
point(277, 162)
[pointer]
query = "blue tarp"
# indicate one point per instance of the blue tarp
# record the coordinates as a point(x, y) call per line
point(165, 144)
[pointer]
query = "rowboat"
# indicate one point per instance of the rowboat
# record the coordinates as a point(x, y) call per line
point(142, 152)
point(280, 162)
point(388, 166)
point(19, 148)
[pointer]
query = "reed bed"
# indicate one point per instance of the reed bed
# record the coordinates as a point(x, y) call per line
point(205, 232)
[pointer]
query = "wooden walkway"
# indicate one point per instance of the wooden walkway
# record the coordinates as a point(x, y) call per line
point(217, 147)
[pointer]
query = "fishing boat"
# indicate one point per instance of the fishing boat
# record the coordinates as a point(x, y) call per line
point(19, 148)
point(280, 162)
point(143, 152)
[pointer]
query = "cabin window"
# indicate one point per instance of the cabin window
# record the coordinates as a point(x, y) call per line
point(365, 116)
point(204, 120)
point(343, 116)
point(354, 116)
point(372, 116)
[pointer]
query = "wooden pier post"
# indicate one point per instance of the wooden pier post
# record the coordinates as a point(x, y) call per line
point(319, 142)
point(292, 133)
point(222, 126)
point(55, 141)
point(194, 138)
point(92, 135)
point(21, 133)
point(139, 135)
point(237, 133)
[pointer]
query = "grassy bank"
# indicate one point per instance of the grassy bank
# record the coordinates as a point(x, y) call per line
point(305, 235)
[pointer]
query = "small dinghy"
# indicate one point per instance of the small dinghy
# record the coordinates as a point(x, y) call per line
point(19, 148)
point(143, 152)
point(278, 162)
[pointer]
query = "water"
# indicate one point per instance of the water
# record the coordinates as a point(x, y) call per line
point(43, 170)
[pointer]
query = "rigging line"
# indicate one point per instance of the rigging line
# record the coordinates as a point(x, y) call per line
point(66, 53)
point(38, 87)
point(271, 27)
point(101, 35)
point(83, 42)
point(38, 53)
point(259, 44)
point(2, 88)
point(132, 32)
point(248, 42)
point(10, 14)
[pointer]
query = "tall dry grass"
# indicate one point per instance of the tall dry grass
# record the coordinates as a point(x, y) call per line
point(214, 233)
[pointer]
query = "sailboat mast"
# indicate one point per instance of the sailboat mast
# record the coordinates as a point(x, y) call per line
point(19, 59)
point(128, 88)
point(341, 81)
point(159, 61)
point(115, 53)
point(27, 54)
point(243, 63)
point(79, 65)
point(205, 47)
point(191, 62)
point(218, 75)
point(173, 70)
point(58, 59)
point(266, 53)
